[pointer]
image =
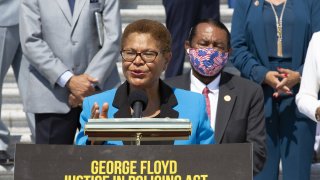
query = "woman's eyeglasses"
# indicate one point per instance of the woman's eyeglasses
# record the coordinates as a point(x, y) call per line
point(146, 56)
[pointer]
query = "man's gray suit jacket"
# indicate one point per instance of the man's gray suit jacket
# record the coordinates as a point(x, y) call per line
point(9, 10)
point(55, 41)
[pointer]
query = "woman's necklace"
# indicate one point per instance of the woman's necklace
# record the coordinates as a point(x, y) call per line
point(279, 28)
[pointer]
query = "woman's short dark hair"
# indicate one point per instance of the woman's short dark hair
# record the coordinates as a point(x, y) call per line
point(157, 30)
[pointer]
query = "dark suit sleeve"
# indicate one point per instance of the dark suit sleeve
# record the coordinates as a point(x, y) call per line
point(241, 56)
point(256, 130)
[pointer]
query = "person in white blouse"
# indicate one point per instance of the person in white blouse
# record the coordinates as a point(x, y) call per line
point(307, 98)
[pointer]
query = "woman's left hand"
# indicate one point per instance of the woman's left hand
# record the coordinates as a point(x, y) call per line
point(289, 79)
point(95, 114)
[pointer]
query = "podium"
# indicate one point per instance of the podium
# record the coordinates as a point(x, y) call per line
point(138, 129)
point(149, 162)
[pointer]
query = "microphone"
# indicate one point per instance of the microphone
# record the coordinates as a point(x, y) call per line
point(138, 101)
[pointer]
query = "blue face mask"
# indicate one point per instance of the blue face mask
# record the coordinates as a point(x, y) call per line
point(207, 61)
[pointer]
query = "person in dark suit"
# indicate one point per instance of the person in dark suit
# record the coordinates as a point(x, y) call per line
point(236, 104)
point(146, 52)
point(181, 15)
point(269, 41)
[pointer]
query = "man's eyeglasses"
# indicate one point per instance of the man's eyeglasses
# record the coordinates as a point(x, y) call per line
point(146, 56)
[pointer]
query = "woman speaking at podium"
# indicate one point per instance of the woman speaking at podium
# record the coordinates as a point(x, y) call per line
point(146, 52)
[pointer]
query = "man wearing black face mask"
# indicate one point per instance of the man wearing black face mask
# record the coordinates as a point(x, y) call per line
point(235, 105)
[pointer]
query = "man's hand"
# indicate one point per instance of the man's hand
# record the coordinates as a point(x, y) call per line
point(74, 101)
point(95, 114)
point(81, 85)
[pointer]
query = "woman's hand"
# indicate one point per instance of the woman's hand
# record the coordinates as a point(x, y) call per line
point(278, 82)
point(289, 79)
point(95, 114)
point(272, 79)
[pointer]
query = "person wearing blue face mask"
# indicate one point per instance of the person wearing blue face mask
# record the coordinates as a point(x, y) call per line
point(234, 104)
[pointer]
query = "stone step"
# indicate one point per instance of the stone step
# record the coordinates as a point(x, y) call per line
point(10, 94)
point(134, 4)
point(13, 115)
point(228, 25)
point(23, 132)
point(130, 15)
point(125, 4)
point(157, 12)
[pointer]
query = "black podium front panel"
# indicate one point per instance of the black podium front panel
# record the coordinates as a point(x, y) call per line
point(162, 162)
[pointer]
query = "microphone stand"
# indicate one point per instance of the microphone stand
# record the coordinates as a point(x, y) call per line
point(137, 113)
point(138, 138)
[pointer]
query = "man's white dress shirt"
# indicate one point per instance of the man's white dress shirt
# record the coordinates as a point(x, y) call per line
point(198, 86)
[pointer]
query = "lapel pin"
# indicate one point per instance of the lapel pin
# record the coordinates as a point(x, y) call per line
point(227, 98)
point(256, 3)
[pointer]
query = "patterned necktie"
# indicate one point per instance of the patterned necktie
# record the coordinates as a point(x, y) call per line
point(206, 92)
point(71, 4)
